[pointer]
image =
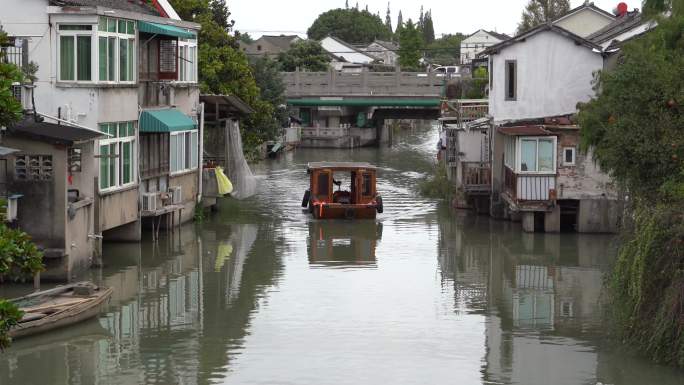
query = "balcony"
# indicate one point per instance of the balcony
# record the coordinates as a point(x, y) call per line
point(465, 111)
point(476, 177)
point(532, 188)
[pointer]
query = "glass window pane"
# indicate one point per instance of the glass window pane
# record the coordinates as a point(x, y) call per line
point(66, 58)
point(102, 57)
point(182, 54)
point(131, 129)
point(102, 25)
point(112, 164)
point(84, 57)
point(123, 129)
point(173, 153)
point(131, 28)
point(528, 155)
point(127, 162)
point(104, 167)
point(123, 60)
point(193, 151)
point(131, 60)
point(546, 155)
point(122, 26)
point(187, 152)
point(111, 59)
point(111, 25)
point(75, 27)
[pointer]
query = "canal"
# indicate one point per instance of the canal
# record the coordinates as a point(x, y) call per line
point(261, 294)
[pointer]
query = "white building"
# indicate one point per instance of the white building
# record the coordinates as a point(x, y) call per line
point(129, 70)
point(477, 42)
point(346, 57)
point(585, 19)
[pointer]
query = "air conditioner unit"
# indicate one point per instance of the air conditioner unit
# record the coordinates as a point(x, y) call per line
point(149, 201)
point(176, 195)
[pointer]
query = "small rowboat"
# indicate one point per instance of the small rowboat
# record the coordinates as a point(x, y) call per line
point(59, 307)
point(360, 201)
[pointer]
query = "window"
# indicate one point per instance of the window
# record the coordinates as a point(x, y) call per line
point(568, 156)
point(323, 187)
point(183, 151)
point(509, 152)
point(75, 50)
point(511, 79)
point(117, 155)
point(537, 155)
point(116, 47)
point(187, 60)
point(33, 167)
point(168, 59)
point(367, 184)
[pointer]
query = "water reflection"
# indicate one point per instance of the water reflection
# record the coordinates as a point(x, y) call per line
point(343, 244)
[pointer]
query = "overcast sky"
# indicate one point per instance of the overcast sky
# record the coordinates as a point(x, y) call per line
point(270, 17)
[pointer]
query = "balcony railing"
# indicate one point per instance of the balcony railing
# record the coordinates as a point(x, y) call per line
point(466, 110)
point(529, 187)
point(477, 176)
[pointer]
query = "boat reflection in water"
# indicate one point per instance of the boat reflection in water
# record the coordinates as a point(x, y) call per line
point(343, 244)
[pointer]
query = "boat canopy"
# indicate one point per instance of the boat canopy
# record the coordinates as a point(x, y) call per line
point(340, 166)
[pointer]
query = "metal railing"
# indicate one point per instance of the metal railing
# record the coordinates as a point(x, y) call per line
point(466, 110)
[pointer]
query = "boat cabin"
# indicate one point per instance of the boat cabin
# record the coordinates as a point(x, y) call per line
point(343, 190)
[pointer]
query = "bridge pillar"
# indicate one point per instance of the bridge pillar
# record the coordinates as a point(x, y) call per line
point(384, 133)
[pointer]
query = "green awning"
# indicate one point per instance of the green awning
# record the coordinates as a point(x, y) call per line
point(380, 102)
point(167, 120)
point(163, 29)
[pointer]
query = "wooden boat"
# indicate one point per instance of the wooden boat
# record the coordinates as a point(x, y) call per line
point(361, 201)
point(59, 307)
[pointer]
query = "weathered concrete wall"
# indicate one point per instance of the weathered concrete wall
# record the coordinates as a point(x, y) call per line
point(598, 216)
point(118, 208)
point(584, 179)
point(553, 75)
point(190, 189)
point(552, 220)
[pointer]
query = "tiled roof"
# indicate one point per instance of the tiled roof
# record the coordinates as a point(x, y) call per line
point(540, 28)
point(500, 36)
point(616, 27)
point(283, 41)
point(124, 5)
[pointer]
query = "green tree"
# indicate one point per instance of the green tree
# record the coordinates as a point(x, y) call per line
point(307, 55)
point(410, 46)
point(445, 50)
point(245, 38)
point(400, 27)
point(350, 25)
point(635, 128)
point(428, 28)
point(224, 68)
point(10, 108)
point(388, 19)
point(271, 87)
point(538, 12)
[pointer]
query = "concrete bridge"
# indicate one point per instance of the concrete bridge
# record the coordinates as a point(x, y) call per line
point(340, 109)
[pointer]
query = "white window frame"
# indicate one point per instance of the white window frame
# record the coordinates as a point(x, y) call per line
point(189, 62)
point(518, 155)
point(132, 38)
point(574, 156)
point(93, 49)
point(118, 169)
point(183, 151)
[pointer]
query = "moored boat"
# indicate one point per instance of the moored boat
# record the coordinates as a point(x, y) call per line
point(59, 307)
point(361, 201)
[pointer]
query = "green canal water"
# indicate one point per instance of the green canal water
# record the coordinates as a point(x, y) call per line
point(260, 293)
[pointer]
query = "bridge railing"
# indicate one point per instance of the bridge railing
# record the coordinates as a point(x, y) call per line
point(334, 83)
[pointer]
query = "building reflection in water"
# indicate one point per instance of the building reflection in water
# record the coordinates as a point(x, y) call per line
point(343, 244)
point(185, 298)
point(541, 297)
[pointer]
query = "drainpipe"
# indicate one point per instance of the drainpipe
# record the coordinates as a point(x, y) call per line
point(200, 152)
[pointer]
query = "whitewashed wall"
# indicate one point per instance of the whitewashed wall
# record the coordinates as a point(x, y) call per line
point(475, 44)
point(554, 74)
point(584, 22)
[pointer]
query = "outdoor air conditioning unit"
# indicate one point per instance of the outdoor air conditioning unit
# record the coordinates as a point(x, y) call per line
point(149, 201)
point(176, 195)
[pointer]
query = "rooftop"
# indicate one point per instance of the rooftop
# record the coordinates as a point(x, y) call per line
point(52, 132)
point(124, 5)
point(617, 27)
point(540, 28)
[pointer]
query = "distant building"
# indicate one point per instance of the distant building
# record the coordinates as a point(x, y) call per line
point(385, 52)
point(477, 42)
point(269, 45)
point(344, 56)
